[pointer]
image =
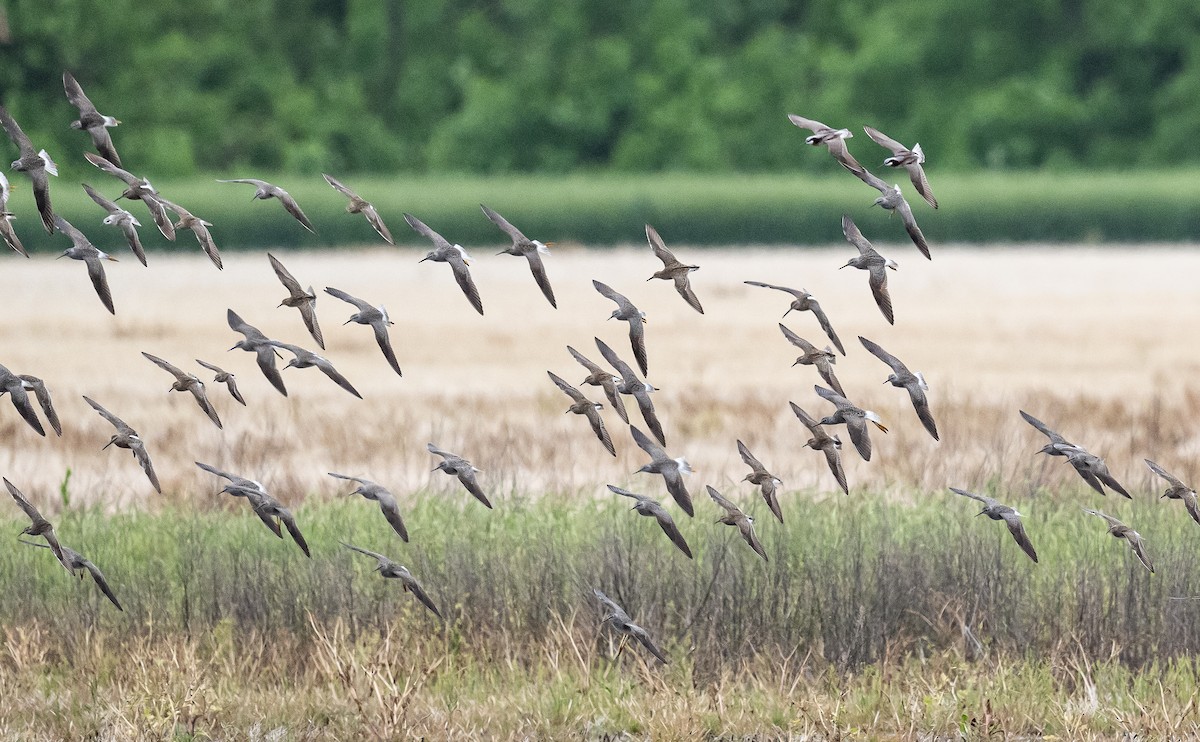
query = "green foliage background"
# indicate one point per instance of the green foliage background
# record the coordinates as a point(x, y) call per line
point(497, 86)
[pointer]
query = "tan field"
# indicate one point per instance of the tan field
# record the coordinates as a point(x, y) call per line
point(1097, 342)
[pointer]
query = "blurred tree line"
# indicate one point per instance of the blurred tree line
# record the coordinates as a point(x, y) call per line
point(632, 85)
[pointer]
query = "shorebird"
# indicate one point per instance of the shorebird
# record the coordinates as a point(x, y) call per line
point(16, 387)
point(224, 377)
point(673, 270)
point(627, 312)
point(603, 379)
point(735, 517)
point(823, 360)
point(805, 302)
point(307, 359)
point(305, 301)
point(875, 264)
point(199, 227)
point(1177, 491)
point(892, 200)
point(264, 190)
point(82, 249)
point(630, 384)
point(243, 487)
point(76, 563)
point(531, 250)
point(376, 317)
point(621, 621)
point(1132, 537)
point(127, 438)
point(38, 387)
point(380, 494)
point(825, 443)
point(672, 470)
point(122, 219)
point(767, 482)
point(388, 568)
point(1089, 466)
point(268, 509)
point(453, 255)
point(90, 120)
point(359, 205)
point(185, 382)
point(909, 159)
point(855, 418)
point(138, 189)
point(457, 466)
point(902, 378)
point(652, 509)
point(261, 346)
point(993, 509)
point(833, 139)
point(33, 164)
point(589, 409)
point(1094, 471)
point(6, 217)
point(38, 526)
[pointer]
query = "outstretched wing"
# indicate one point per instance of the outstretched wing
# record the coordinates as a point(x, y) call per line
point(102, 583)
point(513, 233)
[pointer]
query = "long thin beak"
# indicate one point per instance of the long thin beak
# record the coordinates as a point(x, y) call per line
point(797, 362)
point(886, 381)
point(109, 257)
point(847, 265)
point(502, 252)
point(881, 426)
point(61, 256)
point(422, 260)
point(106, 445)
point(233, 348)
point(344, 323)
point(789, 311)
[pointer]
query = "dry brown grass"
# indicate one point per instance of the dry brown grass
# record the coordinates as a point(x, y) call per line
point(399, 685)
point(1096, 342)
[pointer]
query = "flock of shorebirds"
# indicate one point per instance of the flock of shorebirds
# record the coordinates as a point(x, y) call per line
point(625, 382)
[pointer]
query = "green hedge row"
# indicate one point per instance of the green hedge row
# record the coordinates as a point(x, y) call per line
point(693, 209)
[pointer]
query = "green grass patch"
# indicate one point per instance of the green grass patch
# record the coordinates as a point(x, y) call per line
point(605, 209)
point(853, 580)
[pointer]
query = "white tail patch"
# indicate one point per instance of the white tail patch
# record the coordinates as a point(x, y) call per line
point(916, 150)
point(921, 381)
point(541, 248)
point(48, 163)
point(684, 466)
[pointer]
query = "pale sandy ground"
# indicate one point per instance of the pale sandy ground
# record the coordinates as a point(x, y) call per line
point(1096, 341)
